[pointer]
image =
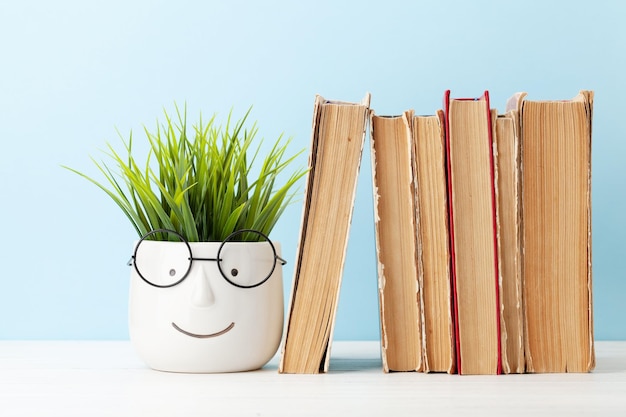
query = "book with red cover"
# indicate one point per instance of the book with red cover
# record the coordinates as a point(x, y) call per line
point(473, 233)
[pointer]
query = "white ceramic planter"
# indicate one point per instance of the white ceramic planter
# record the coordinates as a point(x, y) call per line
point(204, 323)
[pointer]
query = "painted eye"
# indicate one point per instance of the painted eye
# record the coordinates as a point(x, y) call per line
point(234, 272)
point(172, 272)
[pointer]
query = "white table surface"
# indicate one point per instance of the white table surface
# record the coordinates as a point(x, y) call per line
point(106, 378)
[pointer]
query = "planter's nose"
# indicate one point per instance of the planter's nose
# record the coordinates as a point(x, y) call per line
point(203, 294)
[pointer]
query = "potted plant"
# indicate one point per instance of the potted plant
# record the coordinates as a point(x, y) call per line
point(206, 291)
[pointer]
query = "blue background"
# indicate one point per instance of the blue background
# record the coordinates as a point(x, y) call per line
point(72, 72)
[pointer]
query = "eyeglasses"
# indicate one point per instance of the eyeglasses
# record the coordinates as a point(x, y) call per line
point(246, 258)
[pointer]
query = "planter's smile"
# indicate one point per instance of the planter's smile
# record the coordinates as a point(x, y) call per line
point(204, 336)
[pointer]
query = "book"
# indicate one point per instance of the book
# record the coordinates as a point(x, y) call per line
point(508, 194)
point(337, 141)
point(556, 233)
point(396, 242)
point(473, 241)
point(428, 138)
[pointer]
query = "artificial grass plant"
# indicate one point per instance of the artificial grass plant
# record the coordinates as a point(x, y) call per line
point(200, 181)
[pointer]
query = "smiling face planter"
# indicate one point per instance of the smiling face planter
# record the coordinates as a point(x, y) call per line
point(206, 306)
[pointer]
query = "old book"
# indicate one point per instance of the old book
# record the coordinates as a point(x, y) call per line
point(428, 133)
point(556, 233)
point(508, 193)
point(473, 239)
point(336, 147)
point(395, 232)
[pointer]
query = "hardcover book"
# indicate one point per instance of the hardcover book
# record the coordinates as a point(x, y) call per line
point(428, 133)
point(556, 233)
point(508, 194)
point(399, 271)
point(473, 241)
point(336, 146)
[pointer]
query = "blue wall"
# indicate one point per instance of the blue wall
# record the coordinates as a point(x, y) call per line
point(71, 72)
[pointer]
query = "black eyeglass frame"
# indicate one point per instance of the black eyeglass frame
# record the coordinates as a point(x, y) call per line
point(192, 258)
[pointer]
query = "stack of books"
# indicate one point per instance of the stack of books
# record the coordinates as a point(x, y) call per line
point(483, 236)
